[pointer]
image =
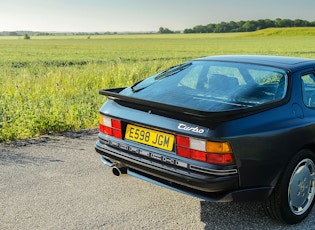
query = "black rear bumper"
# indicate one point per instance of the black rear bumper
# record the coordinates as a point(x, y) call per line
point(207, 187)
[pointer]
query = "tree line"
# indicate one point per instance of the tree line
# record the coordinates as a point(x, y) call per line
point(222, 27)
point(36, 33)
point(248, 26)
point(244, 26)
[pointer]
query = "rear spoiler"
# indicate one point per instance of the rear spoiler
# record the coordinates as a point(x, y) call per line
point(113, 94)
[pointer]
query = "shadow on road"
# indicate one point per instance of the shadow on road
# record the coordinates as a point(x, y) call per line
point(239, 215)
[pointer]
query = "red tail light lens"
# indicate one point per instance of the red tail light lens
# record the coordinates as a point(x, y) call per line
point(109, 126)
point(183, 152)
point(198, 155)
point(116, 124)
point(182, 141)
point(220, 158)
point(106, 130)
point(206, 151)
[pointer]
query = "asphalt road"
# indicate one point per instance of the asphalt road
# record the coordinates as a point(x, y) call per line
point(58, 182)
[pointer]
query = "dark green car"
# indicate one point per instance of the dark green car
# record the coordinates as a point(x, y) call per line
point(220, 128)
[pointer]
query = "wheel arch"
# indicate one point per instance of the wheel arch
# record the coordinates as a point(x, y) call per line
point(310, 147)
point(278, 205)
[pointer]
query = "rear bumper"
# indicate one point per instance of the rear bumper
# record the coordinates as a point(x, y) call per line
point(208, 187)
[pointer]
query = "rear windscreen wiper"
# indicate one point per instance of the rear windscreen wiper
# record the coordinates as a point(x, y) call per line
point(166, 73)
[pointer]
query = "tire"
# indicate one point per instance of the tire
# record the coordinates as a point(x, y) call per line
point(293, 198)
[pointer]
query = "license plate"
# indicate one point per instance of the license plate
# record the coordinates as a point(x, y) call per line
point(150, 137)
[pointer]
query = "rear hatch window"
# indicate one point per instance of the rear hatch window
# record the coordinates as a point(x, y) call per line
point(213, 86)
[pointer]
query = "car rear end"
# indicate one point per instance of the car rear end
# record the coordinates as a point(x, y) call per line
point(172, 129)
point(166, 151)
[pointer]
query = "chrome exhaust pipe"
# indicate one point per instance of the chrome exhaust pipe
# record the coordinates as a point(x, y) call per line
point(107, 162)
point(119, 171)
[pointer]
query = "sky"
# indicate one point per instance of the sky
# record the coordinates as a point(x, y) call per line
point(141, 15)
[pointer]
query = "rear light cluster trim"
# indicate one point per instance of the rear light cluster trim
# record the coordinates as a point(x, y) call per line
point(219, 153)
point(207, 151)
point(109, 126)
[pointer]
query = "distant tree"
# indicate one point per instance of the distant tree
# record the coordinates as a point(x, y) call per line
point(233, 26)
point(163, 30)
point(287, 23)
point(210, 28)
point(298, 22)
point(279, 22)
point(222, 27)
point(27, 37)
point(189, 31)
point(240, 26)
point(269, 23)
point(13, 34)
point(249, 26)
point(200, 29)
point(302, 23)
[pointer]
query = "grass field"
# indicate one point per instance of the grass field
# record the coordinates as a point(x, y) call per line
point(50, 84)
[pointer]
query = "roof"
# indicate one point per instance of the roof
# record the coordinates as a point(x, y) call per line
point(289, 63)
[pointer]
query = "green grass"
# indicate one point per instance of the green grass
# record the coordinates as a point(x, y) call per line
point(283, 32)
point(50, 84)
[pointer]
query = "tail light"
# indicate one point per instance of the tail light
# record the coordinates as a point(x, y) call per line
point(109, 126)
point(206, 151)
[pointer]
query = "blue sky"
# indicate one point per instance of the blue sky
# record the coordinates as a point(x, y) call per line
point(141, 15)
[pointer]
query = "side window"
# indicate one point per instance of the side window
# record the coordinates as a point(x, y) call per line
point(308, 89)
